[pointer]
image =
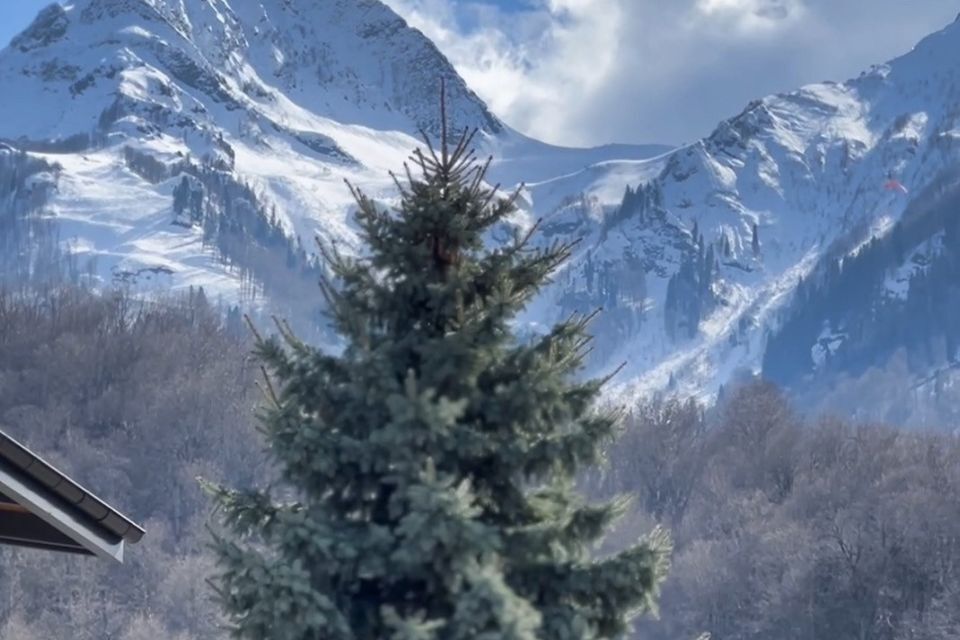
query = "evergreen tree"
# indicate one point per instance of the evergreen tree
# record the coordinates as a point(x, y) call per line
point(426, 472)
point(589, 271)
point(755, 240)
point(181, 196)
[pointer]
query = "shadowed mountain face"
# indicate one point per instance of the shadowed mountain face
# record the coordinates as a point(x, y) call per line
point(202, 143)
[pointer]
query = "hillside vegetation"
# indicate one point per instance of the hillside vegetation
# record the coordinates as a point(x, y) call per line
point(784, 528)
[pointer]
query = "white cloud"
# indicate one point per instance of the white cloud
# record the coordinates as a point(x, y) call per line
point(751, 16)
point(530, 66)
point(595, 71)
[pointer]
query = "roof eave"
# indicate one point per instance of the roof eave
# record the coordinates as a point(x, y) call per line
point(54, 514)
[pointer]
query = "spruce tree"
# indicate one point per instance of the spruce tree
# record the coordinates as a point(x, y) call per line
point(426, 472)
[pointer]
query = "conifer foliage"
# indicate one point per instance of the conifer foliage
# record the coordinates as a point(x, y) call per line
point(426, 472)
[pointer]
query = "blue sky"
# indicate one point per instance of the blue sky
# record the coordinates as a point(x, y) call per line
point(16, 14)
point(583, 72)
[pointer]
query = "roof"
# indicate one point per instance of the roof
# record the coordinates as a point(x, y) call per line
point(42, 507)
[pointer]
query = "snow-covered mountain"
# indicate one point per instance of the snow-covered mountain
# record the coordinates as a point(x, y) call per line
point(785, 194)
point(264, 104)
point(194, 142)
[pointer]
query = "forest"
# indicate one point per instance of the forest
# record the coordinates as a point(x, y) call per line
point(853, 300)
point(784, 526)
point(138, 400)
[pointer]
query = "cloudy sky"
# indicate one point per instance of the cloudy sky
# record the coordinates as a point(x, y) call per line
point(594, 71)
point(583, 72)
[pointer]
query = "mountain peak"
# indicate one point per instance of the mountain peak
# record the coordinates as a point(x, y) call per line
point(351, 61)
point(49, 26)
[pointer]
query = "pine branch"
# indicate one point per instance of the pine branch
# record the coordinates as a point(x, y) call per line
point(406, 168)
point(443, 121)
point(331, 257)
point(459, 171)
point(587, 319)
point(256, 334)
point(426, 140)
point(403, 192)
point(481, 172)
point(288, 336)
point(458, 156)
point(607, 378)
point(271, 394)
point(512, 199)
point(525, 240)
point(420, 160)
point(490, 196)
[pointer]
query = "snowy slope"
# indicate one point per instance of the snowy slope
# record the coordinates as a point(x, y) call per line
point(288, 98)
point(811, 169)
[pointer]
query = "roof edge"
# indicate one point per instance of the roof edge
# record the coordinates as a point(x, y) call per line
point(79, 499)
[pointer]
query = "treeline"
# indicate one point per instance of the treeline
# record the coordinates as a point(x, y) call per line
point(619, 287)
point(690, 296)
point(245, 232)
point(30, 247)
point(789, 528)
point(135, 399)
point(691, 291)
point(644, 203)
point(848, 299)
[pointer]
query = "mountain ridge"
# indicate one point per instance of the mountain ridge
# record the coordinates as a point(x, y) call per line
point(696, 253)
point(808, 169)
